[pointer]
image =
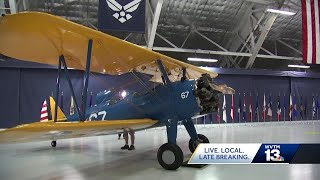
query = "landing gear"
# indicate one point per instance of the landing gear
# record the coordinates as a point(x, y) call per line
point(53, 143)
point(201, 139)
point(170, 156)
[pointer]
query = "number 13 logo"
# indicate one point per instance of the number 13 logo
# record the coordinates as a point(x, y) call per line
point(272, 155)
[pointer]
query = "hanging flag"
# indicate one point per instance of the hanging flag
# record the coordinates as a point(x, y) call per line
point(257, 109)
point(250, 108)
point(232, 108)
point(61, 102)
point(279, 109)
point(264, 108)
point(314, 111)
point(224, 109)
point(290, 108)
point(72, 106)
point(284, 107)
point(239, 108)
point(301, 108)
point(270, 108)
point(122, 15)
point(90, 102)
point(244, 111)
point(310, 11)
point(294, 111)
point(218, 116)
point(44, 112)
point(317, 107)
point(305, 108)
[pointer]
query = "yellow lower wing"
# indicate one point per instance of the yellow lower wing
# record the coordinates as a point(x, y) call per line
point(61, 130)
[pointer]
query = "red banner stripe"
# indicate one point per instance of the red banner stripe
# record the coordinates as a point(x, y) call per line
point(313, 25)
point(43, 118)
point(318, 60)
point(304, 31)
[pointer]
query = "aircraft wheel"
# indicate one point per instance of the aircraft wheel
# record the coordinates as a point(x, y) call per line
point(193, 144)
point(53, 143)
point(170, 156)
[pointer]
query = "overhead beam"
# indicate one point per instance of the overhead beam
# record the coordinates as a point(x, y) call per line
point(211, 41)
point(166, 40)
point(154, 24)
point(199, 51)
point(261, 1)
point(185, 40)
point(284, 43)
point(264, 32)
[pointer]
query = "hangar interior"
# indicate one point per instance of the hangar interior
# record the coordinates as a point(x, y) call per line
point(253, 49)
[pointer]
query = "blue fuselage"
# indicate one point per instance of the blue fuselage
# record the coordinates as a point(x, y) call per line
point(162, 103)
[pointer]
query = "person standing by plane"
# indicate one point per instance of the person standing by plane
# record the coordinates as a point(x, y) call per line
point(126, 138)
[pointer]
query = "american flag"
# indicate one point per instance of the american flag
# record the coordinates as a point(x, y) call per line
point(44, 112)
point(310, 31)
point(232, 108)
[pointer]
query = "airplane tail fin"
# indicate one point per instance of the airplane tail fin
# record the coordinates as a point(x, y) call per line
point(60, 114)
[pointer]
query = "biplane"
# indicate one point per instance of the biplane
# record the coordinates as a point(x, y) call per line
point(182, 90)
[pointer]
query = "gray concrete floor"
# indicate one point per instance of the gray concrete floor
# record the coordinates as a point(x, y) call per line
point(101, 157)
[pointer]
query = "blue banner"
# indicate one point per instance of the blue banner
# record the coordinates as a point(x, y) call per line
point(122, 15)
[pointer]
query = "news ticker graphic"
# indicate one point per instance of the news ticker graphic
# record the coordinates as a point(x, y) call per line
point(256, 153)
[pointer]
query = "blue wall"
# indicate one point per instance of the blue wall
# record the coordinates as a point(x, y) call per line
point(24, 89)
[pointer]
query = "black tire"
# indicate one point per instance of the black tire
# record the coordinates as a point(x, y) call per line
point(172, 150)
point(53, 143)
point(193, 145)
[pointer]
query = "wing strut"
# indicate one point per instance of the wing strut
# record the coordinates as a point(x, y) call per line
point(66, 72)
point(86, 80)
point(57, 91)
point(164, 73)
point(62, 62)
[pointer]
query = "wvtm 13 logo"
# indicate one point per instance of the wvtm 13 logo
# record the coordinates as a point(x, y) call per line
point(273, 153)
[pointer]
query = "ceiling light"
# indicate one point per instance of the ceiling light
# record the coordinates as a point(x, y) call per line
point(281, 12)
point(201, 60)
point(298, 66)
point(123, 94)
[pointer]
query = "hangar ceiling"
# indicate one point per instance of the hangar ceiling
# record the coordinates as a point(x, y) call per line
point(239, 33)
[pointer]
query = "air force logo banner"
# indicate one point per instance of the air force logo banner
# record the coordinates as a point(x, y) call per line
point(122, 15)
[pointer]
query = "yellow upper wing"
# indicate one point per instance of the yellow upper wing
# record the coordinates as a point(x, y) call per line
point(62, 130)
point(42, 38)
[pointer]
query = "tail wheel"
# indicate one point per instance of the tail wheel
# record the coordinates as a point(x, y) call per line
point(53, 143)
point(201, 139)
point(170, 156)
